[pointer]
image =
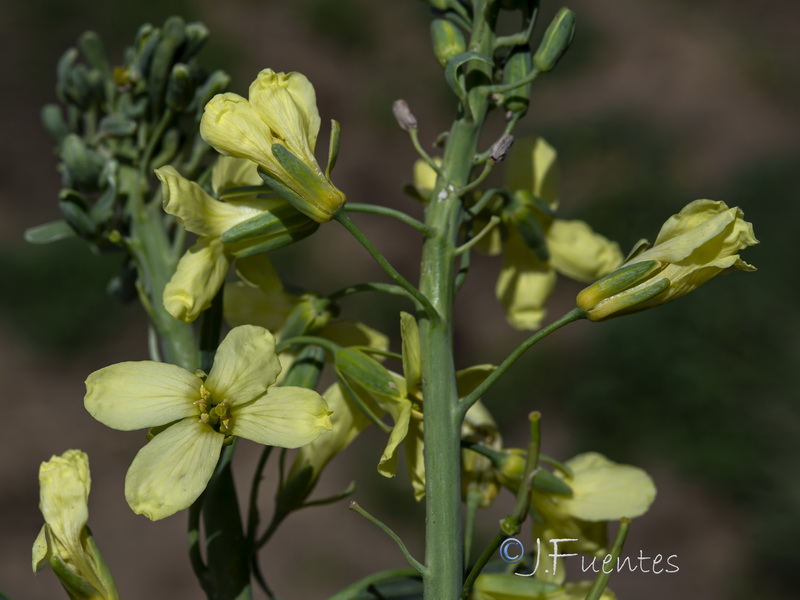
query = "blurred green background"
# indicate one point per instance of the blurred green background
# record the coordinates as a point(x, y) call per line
point(656, 104)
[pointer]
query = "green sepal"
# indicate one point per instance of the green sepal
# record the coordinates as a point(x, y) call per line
point(102, 571)
point(77, 587)
point(300, 172)
point(269, 230)
point(547, 481)
point(117, 126)
point(356, 367)
point(555, 41)
point(620, 280)
point(48, 233)
point(333, 147)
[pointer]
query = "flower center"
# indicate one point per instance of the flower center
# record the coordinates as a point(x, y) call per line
point(215, 414)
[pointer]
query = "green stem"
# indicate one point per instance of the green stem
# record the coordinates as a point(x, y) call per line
point(418, 567)
point(153, 140)
point(602, 578)
point(414, 135)
point(389, 212)
point(473, 502)
point(387, 288)
point(418, 296)
point(442, 431)
point(573, 315)
point(481, 234)
point(151, 251)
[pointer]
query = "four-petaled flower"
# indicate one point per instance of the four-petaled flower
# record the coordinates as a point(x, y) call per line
point(276, 127)
point(237, 398)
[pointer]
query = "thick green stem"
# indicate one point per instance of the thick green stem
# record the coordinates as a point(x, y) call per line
point(442, 428)
point(151, 250)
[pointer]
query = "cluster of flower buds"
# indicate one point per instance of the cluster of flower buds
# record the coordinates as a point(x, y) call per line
point(125, 118)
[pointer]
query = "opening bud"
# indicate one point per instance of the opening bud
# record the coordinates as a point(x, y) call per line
point(622, 290)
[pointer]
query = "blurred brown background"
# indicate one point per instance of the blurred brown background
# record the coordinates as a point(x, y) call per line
point(656, 104)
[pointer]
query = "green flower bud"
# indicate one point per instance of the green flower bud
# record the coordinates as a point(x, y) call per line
point(309, 315)
point(518, 66)
point(82, 165)
point(196, 36)
point(180, 88)
point(53, 121)
point(448, 41)
point(556, 40)
point(164, 55)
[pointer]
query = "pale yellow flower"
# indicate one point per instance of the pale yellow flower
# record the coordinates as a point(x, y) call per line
point(496, 586)
point(202, 269)
point(693, 246)
point(276, 127)
point(602, 491)
point(237, 398)
point(535, 245)
point(64, 484)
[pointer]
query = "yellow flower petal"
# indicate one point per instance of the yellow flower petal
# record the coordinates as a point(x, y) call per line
point(288, 104)
point(412, 361)
point(234, 127)
point(532, 166)
point(259, 299)
point(230, 172)
point(415, 458)
point(288, 417)
point(64, 484)
point(135, 395)
point(173, 469)
point(197, 279)
point(604, 490)
point(200, 213)
point(524, 285)
point(244, 367)
point(387, 466)
point(579, 253)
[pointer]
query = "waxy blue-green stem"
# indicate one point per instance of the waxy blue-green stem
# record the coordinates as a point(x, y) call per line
point(442, 430)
